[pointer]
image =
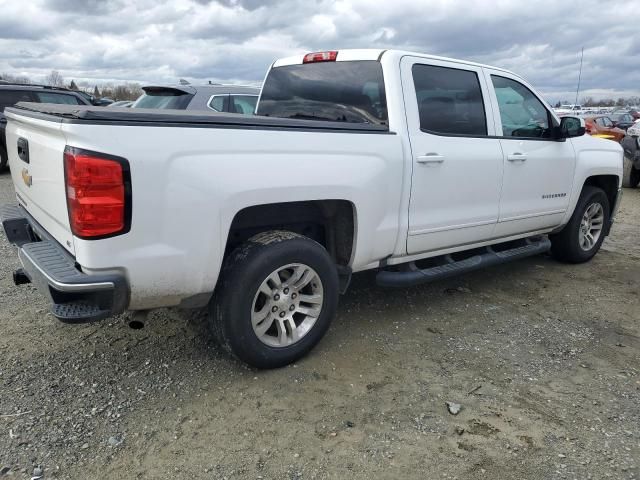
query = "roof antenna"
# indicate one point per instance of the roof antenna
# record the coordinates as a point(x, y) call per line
point(579, 76)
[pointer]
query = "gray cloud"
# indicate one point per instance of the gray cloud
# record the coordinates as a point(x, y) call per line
point(236, 40)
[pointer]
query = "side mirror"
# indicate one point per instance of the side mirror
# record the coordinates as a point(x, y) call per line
point(572, 127)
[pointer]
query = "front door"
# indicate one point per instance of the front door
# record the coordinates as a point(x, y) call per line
point(457, 166)
point(538, 169)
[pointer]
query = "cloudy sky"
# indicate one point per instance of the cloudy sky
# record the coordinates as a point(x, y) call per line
point(236, 40)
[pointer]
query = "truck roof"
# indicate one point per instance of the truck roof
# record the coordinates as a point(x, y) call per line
point(347, 55)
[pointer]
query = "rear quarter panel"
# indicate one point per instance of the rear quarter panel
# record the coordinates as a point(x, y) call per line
point(189, 183)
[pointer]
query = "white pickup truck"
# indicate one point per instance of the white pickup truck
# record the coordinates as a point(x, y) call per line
point(419, 167)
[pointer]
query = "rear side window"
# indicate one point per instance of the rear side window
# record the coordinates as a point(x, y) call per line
point(350, 92)
point(449, 101)
point(60, 98)
point(245, 104)
point(163, 99)
point(8, 98)
point(217, 102)
point(521, 113)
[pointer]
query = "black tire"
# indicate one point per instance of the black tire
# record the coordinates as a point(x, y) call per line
point(244, 271)
point(630, 174)
point(4, 159)
point(565, 245)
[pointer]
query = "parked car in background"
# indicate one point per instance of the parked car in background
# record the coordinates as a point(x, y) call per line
point(622, 120)
point(603, 127)
point(217, 98)
point(417, 167)
point(123, 103)
point(97, 101)
point(568, 109)
point(10, 94)
point(631, 146)
point(634, 112)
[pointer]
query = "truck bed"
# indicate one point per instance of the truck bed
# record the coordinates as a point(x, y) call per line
point(153, 117)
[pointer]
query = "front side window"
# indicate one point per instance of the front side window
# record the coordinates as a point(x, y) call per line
point(449, 101)
point(59, 98)
point(521, 113)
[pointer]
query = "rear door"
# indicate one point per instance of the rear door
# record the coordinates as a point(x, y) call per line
point(538, 170)
point(457, 165)
point(36, 157)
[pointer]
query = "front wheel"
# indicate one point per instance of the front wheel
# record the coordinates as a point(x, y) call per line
point(276, 297)
point(582, 237)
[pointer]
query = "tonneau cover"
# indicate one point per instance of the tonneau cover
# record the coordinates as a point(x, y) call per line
point(141, 116)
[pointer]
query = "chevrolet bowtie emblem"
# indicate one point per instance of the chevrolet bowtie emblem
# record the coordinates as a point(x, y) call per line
point(26, 178)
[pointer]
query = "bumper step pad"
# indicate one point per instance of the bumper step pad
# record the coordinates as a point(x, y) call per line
point(77, 297)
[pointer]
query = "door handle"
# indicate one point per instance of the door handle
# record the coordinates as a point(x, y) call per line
point(517, 157)
point(430, 158)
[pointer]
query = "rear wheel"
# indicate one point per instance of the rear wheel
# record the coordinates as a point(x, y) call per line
point(276, 297)
point(582, 237)
point(630, 174)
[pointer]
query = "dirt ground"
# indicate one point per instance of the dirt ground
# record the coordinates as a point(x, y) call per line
point(543, 357)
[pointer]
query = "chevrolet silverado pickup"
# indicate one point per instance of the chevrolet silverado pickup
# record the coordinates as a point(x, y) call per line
point(416, 166)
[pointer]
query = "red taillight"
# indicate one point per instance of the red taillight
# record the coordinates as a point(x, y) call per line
point(98, 196)
point(320, 57)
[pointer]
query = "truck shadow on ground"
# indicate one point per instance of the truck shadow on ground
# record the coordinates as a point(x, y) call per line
point(367, 307)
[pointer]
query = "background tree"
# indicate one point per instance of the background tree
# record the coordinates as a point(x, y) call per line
point(54, 79)
point(73, 86)
point(96, 92)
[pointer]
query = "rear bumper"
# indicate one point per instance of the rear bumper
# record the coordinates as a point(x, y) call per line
point(76, 296)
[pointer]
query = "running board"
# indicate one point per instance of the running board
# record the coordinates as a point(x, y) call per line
point(410, 274)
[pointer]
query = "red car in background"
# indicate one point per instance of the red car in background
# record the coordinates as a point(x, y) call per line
point(602, 126)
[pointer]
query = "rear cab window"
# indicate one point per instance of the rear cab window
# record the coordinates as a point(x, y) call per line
point(163, 98)
point(348, 91)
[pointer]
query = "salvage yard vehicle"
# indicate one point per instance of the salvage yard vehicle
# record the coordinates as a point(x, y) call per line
point(631, 167)
point(10, 94)
point(219, 98)
point(622, 120)
point(416, 166)
point(603, 127)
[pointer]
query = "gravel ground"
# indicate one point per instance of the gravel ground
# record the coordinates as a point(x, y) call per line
point(544, 359)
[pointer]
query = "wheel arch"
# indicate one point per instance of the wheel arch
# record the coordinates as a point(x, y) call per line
point(609, 183)
point(332, 223)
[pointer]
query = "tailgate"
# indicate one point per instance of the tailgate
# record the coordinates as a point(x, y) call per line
point(39, 178)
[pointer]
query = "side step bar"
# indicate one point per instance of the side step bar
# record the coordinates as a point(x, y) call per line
point(410, 274)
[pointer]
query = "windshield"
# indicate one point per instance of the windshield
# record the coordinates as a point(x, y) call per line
point(164, 99)
point(333, 91)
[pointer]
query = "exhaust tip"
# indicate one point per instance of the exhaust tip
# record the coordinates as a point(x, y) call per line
point(20, 277)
